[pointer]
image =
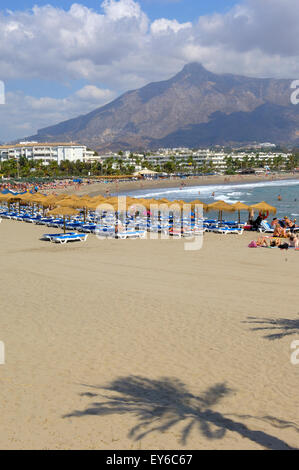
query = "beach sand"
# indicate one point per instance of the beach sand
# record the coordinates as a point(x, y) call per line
point(139, 344)
point(114, 187)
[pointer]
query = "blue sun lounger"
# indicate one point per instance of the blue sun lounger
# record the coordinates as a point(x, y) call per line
point(49, 236)
point(64, 238)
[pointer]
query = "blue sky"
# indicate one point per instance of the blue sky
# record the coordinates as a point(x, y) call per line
point(62, 59)
point(184, 10)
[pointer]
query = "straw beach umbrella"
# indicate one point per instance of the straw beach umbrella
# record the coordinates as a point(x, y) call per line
point(198, 202)
point(68, 201)
point(27, 197)
point(11, 198)
point(6, 198)
point(50, 200)
point(38, 199)
point(164, 201)
point(98, 199)
point(220, 206)
point(264, 207)
point(2, 198)
point(240, 206)
point(83, 203)
point(63, 212)
point(62, 196)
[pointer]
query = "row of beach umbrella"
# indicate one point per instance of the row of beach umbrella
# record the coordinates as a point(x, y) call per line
point(68, 205)
point(91, 203)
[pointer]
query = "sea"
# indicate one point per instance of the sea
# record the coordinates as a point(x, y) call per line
point(249, 193)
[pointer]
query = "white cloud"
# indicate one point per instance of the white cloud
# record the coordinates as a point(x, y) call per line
point(121, 47)
point(116, 10)
point(24, 114)
point(163, 25)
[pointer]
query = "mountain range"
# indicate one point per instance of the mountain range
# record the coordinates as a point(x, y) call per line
point(194, 108)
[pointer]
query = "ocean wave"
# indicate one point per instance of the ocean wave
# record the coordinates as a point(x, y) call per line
point(235, 193)
point(225, 198)
point(207, 190)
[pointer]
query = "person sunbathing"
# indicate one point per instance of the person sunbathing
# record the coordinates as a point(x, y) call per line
point(290, 223)
point(294, 241)
point(278, 230)
point(263, 242)
point(275, 242)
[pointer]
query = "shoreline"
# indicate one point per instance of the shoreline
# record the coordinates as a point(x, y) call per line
point(107, 189)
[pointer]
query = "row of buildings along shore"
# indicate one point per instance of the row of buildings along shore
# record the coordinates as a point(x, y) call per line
point(59, 152)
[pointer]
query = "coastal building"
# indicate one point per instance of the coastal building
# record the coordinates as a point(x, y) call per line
point(47, 152)
point(183, 157)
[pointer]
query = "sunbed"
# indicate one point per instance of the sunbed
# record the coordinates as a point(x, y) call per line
point(49, 236)
point(132, 234)
point(265, 227)
point(64, 238)
point(226, 230)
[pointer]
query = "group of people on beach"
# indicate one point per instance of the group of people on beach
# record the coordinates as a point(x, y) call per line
point(37, 186)
point(272, 242)
point(284, 235)
point(281, 226)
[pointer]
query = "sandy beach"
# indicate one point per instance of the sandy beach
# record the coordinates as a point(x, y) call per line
point(114, 187)
point(139, 344)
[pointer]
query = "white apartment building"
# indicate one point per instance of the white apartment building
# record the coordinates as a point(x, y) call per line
point(47, 152)
point(203, 157)
point(200, 157)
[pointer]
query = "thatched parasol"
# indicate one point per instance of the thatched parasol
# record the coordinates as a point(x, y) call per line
point(11, 198)
point(220, 206)
point(27, 197)
point(240, 206)
point(198, 202)
point(264, 207)
point(84, 203)
point(64, 212)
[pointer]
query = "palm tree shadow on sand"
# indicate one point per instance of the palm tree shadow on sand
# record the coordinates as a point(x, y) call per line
point(161, 404)
point(280, 327)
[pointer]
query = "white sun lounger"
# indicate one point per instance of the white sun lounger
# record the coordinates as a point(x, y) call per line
point(265, 227)
point(69, 238)
point(49, 236)
point(226, 230)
